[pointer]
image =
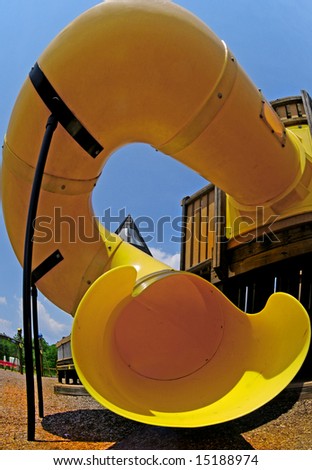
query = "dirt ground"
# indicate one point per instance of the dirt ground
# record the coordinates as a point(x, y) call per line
point(78, 422)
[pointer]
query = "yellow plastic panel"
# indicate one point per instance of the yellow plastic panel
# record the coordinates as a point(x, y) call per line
point(177, 352)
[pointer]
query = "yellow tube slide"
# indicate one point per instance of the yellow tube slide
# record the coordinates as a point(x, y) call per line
point(155, 345)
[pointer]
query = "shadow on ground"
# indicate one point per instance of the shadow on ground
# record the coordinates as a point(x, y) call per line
point(105, 426)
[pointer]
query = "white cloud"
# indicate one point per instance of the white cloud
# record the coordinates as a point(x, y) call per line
point(51, 329)
point(172, 260)
point(5, 326)
point(3, 300)
point(48, 323)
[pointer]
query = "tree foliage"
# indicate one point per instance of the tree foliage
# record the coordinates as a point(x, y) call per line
point(8, 348)
point(11, 347)
point(49, 356)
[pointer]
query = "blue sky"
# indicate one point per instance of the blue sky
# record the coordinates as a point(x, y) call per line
point(272, 40)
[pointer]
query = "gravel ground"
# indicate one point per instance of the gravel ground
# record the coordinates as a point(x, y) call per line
point(78, 422)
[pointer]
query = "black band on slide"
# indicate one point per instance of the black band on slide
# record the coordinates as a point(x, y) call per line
point(64, 115)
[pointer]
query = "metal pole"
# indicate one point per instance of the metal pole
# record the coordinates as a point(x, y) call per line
point(183, 233)
point(27, 282)
point(20, 349)
point(34, 295)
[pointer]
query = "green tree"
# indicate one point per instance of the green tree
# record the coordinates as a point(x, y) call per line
point(49, 356)
point(9, 347)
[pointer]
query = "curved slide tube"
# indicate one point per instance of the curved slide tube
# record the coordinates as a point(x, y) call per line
point(152, 344)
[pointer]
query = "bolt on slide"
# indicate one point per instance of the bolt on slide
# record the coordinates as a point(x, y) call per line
point(159, 346)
